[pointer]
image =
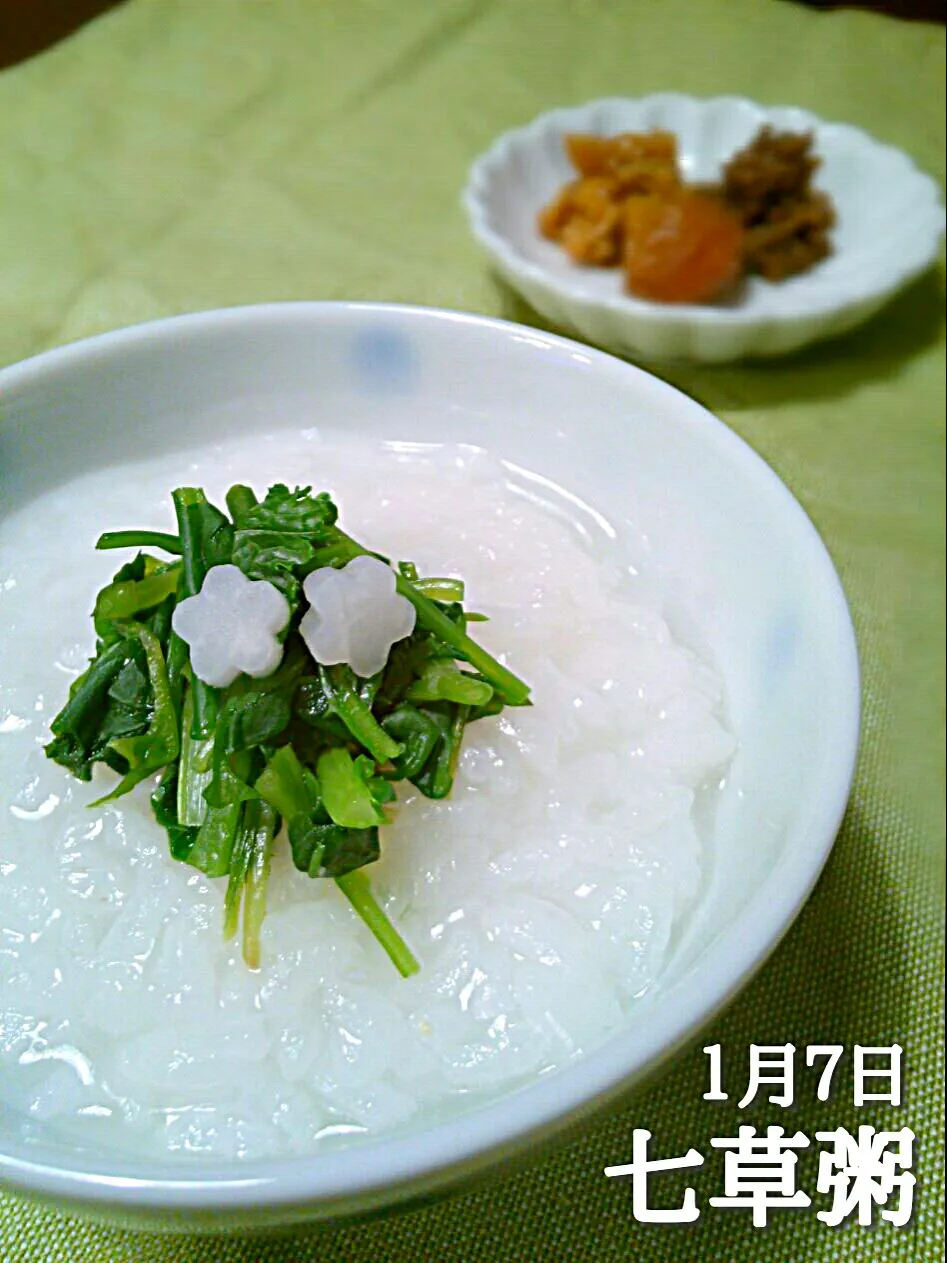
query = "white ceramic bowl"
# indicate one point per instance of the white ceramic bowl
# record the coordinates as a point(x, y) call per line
point(890, 221)
point(745, 576)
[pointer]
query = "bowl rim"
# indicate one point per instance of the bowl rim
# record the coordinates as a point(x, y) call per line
point(489, 163)
point(402, 1166)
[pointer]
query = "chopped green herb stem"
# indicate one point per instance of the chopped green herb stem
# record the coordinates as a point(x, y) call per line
point(341, 687)
point(438, 589)
point(239, 868)
point(140, 539)
point(195, 771)
point(240, 500)
point(206, 539)
point(263, 819)
point(356, 888)
point(441, 681)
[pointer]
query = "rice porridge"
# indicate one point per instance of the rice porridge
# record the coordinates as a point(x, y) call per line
point(540, 898)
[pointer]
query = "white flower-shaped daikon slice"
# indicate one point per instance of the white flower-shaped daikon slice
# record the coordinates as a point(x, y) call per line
point(232, 625)
point(356, 615)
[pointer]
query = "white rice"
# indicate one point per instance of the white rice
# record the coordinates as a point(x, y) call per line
point(540, 898)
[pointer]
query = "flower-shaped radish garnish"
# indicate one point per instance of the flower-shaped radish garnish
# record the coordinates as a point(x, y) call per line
point(232, 626)
point(356, 615)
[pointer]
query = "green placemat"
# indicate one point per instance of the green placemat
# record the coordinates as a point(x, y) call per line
point(174, 156)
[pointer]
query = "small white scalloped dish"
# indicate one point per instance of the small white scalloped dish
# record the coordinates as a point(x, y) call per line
point(889, 223)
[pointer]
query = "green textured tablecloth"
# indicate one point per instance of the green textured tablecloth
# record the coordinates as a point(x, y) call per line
point(184, 154)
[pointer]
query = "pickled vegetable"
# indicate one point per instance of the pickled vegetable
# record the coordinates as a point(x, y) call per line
point(682, 249)
point(680, 243)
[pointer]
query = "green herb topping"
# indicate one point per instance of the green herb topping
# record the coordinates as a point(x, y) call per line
point(291, 743)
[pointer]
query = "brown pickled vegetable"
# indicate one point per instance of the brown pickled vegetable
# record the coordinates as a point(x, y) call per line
point(769, 184)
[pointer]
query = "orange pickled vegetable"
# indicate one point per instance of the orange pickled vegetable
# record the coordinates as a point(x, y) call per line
point(585, 220)
point(643, 162)
point(626, 155)
point(686, 248)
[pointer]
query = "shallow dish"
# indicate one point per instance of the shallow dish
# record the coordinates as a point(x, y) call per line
point(744, 577)
point(889, 223)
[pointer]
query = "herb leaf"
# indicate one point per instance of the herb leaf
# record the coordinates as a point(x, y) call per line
point(159, 745)
point(288, 512)
point(347, 797)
